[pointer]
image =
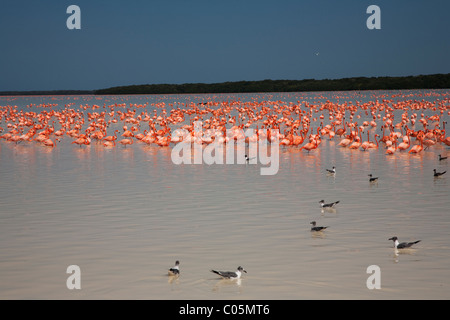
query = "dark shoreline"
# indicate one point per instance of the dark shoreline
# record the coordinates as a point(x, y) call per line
point(434, 81)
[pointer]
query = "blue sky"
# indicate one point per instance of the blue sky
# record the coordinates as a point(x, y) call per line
point(148, 42)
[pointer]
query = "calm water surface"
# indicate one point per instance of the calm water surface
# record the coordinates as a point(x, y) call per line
point(124, 215)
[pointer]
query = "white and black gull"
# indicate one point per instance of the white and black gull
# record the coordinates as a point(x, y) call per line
point(175, 270)
point(403, 245)
point(314, 228)
point(332, 170)
point(328, 205)
point(230, 274)
point(372, 178)
point(247, 159)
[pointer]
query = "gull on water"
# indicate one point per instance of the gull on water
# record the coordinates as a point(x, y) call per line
point(230, 274)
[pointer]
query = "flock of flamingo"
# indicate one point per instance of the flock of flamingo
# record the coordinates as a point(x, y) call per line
point(404, 125)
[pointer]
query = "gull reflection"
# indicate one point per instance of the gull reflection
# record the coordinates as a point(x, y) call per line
point(398, 252)
point(328, 210)
point(227, 283)
point(173, 278)
point(318, 235)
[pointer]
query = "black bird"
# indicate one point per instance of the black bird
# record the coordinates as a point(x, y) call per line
point(230, 274)
point(332, 171)
point(437, 174)
point(314, 228)
point(175, 270)
point(328, 205)
point(372, 179)
point(442, 158)
point(402, 245)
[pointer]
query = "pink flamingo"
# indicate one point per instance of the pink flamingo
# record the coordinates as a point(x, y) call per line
point(125, 142)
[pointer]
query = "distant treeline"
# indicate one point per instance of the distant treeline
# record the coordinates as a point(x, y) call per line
point(435, 81)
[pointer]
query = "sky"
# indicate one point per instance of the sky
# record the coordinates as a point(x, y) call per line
point(189, 41)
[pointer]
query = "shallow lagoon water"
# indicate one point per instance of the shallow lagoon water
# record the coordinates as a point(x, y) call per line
point(124, 215)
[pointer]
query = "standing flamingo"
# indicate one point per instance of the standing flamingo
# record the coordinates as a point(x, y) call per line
point(339, 132)
point(50, 143)
point(357, 143)
point(392, 149)
point(81, 141)
point(128, 134)
point(125, 142)
point(406, 142)
point(366, 144)
point(346, 141)
point(111, 138)
point(309, 146)
point(109, 143)
point(374, 145)
point(418, 148)
point(442, 137)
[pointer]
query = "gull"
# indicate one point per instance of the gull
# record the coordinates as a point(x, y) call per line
point(437, 174)
point(247, 159)
point(314, 228)
point(328, 205)
point(230, 274)
point(331, 171)
point(402, 245)
point(175, 270)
